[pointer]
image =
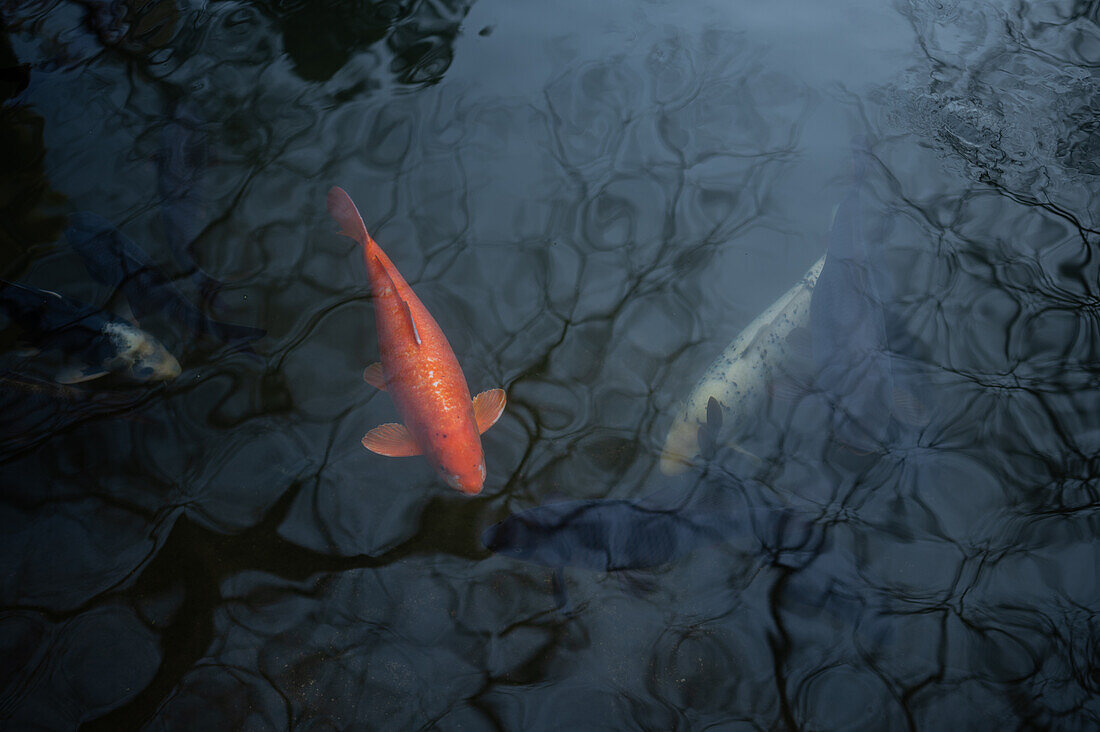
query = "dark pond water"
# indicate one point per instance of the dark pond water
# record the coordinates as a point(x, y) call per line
point(593, 199)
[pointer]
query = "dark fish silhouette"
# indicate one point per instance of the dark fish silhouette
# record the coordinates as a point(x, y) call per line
point(623, 536)
point(615, 535)
point(92, 340)
point(851, 352)
point(181, 166)
point(606, 535)
point(116, 261)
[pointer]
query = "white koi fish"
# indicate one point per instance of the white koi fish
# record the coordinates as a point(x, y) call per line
point(738, 379)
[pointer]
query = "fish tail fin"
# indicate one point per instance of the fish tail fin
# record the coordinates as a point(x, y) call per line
point(343, 210)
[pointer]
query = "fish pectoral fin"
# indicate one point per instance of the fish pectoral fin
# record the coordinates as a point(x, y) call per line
point(488, 406)
point(708, 442)
point(392, 440)
point(714, 415)
point(788, 387)
point(373, 375)
point(78, 374)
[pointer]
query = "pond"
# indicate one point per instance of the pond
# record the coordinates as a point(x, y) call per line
point(593, 200)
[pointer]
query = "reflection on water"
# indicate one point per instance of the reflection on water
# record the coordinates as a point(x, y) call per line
point(321, 37)
point(1011, 97)
point(591, 224)
point(25, 191)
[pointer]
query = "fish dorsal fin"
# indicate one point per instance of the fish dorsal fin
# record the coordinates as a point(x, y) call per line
point(392, 440)
point(707, 434)
point(708, 445)
point(787, 387)
point(373, 375)
point(405, 305)
point(412, 322)
point(488, 406)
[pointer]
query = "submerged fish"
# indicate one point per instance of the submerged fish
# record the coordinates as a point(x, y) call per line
point(116, 261)
point(618, 534)
point(181, 167)
point(851, 350)
point(420, 371)
point(94, 341)
point(738, 379)
point(614, 535)
point(604, 535)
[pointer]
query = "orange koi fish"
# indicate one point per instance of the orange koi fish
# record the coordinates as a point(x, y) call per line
point(420, 372)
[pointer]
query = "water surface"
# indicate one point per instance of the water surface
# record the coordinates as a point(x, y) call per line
point(593, 200)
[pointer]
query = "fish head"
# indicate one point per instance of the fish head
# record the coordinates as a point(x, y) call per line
point(138, 355)
point(514, 537)
point(681, 447)
point(464, 474)
point(454, 452)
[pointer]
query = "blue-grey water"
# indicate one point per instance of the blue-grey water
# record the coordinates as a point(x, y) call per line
point(593, 199)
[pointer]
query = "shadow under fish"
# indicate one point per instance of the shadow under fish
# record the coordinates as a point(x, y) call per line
point(118, 262)
point(181, 166)
point(92, 342)
point(621, 536)
point(852, 359)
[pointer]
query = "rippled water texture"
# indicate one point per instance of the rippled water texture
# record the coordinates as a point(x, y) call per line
point(593, 199)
